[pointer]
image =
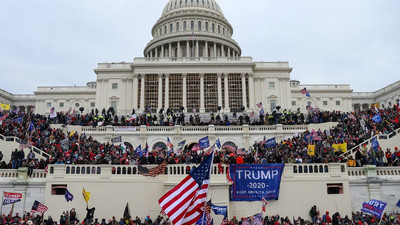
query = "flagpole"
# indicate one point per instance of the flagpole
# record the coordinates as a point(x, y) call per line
point(380, 219)
point(2, 199)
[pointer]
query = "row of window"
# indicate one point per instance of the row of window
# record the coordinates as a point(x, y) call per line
point(325, 103)
point(61, 104)
point(192, 1)
point(207, 27)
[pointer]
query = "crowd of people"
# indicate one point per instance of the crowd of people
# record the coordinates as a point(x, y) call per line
point(171, 118)
point(73, 148)
point(326, 218)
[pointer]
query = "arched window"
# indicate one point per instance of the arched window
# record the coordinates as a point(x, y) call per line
point(170, 28)
point(206, 26)
point(199, 25)
point(184, 25)
point(213, 28)
point(177, 26)
point(219, 29)
point(159, 146)
point(165, 29)
point(223, 30)
point(192, 25)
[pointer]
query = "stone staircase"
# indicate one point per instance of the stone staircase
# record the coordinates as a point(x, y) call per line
point(9, 144)
point(385, 141)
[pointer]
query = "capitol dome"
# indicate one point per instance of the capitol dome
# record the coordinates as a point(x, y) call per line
point(173, 5)
point(192, 29)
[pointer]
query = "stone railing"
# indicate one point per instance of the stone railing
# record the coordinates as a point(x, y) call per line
point(197, 59)
point(177, 128)
point(290, 170)
point(15, 173)
point(369, 141)
point(373, 171)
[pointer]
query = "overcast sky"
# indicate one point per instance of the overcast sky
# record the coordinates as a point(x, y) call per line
point(59, 43)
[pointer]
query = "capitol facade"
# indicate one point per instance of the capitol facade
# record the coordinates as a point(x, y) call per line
point(193, 63)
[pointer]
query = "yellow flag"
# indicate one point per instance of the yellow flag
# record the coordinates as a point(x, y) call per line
point(86, 195)
point(340, 147)
point(311, 150)
point(72, 133)
point(5, 106)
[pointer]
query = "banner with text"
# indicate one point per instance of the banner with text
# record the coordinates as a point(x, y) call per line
point(253, 182)
point(11, 198)
point(374, 207)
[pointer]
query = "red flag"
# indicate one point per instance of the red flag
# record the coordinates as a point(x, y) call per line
point(184, 204)
point(264, 204)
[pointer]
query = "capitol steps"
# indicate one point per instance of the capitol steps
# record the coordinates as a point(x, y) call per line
point(385, 141)
point(9, 144)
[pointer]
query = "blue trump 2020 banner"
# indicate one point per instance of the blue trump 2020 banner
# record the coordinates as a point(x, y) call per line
point(270, 143)
point(204, 143)
point(253, 182)
point(374, 207)
point(219, 210)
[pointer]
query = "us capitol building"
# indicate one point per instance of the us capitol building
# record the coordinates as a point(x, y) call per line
point(194, 62)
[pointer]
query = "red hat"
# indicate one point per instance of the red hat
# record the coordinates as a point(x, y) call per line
point(327, 212)
point(395, 148)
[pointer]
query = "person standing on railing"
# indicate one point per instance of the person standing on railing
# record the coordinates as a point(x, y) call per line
point(14, 159)
point(31, 165)
point(379, 155)
point(388, 156)
point(21, 157)
point(31, 156)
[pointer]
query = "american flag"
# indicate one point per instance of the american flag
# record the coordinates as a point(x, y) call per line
point(304, 91)
point(196, 148)
point(153, 172)
point(38, 207)
point(4, 117)
point(169, 143)
point(241, 151)
point(259, 105)
point(225, 221)
point(184, 204)
point(206, 218)
point(229, 148)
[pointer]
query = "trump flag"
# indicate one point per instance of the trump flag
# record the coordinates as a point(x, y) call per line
point(374, 207)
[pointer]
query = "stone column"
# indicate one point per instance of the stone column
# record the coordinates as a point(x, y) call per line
point(188, 49)
point(215, 50)
point(226, 88)
point(151, 54)
point(142, 92)
point(156, 52)
point(202, 107)
point(244, 90)
point(123, 108)
point(205, 54)
point(159, 92)
point(135, 91)
point(170, 50)
point(162, 51)
point(197, 49)
point(219, 90)
point(229, 52)
point(251, 91)
point(222, 51)
point(184, 91)
point(179, 50)
point(166, 91)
